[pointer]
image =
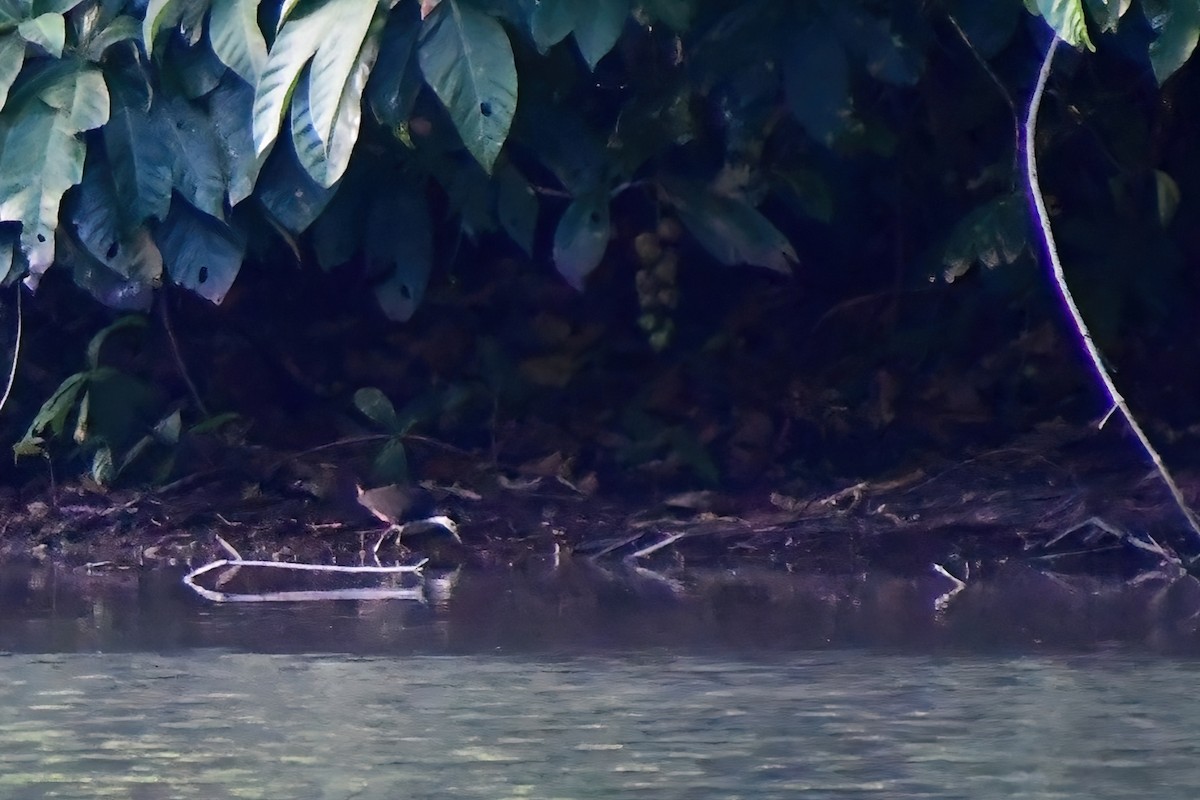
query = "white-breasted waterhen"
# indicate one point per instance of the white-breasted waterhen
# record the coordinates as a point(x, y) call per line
point(403, 507)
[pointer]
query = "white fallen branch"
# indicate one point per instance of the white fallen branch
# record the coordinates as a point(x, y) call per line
point(1064, 292)
point(410, 593)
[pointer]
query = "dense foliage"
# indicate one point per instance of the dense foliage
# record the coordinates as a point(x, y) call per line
point(143, 139)
point(174, 139)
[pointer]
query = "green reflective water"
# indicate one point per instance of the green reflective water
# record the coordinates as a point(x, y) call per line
point(838, 724)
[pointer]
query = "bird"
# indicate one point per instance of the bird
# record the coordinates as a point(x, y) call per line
point(403, 507)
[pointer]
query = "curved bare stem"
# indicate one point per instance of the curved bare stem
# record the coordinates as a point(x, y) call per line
point(1064, 292)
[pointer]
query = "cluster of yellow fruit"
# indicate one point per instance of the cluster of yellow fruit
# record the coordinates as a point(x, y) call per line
point(656, 280)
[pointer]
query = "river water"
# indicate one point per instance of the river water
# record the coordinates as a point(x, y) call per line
point(133, 688)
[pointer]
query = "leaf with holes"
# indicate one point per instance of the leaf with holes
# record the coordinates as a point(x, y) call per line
point(92, 211)
point(399, 243)
point(140, 157)
point(42, 157)
point(467, 60)
point(198, 170)
point(201, 253)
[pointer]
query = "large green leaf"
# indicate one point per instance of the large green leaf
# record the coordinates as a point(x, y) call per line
point(325, 154)
point(288, 192)
point(198, 170)
point(299, 37)
point(599, 28)
point(1177, 23)
point(395, 81)
point(516, 207)
point(236, 39)
point(582, 237)
point(1068, 20)
point(140, 156)
point(201, 253)
point(466, 58)
point(732, 231)
point(93, 212)
point(12, 56)
point(551, 21)
point(816, 82)
point(399, 243)
point(48, 31)
point(82, 98)
point(342, 54)
point(229, 106)
point(187, 15)
point(121, 29)
point(42, 156)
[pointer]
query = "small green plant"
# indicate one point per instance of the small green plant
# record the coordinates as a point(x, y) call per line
point(102, 407)
point(391, 463)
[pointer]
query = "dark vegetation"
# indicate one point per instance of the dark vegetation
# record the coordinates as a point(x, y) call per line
point(769, 263)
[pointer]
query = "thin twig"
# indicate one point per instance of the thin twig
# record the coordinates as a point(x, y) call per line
point(1004, 93)
point(12, 370)
point(1064, 292)
point(163, 303)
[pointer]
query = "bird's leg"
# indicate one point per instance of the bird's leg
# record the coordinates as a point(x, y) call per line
point(394, 528)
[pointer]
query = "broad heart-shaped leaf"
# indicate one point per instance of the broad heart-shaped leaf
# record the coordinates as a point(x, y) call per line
point(229, 106)
point(198, 172)
point(1178, 28)
point(1067, 19)
point(732, 231)
point(201, 253)
point(600, 27)
point(467, 60)
point(399, 242)
point(325, 155)
point(582, 237)
point(236, 39)
point(91, 209)
point(48, 31)
point(816, 82)
point(299, 37)
point(12, 56)
point(140, 156)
